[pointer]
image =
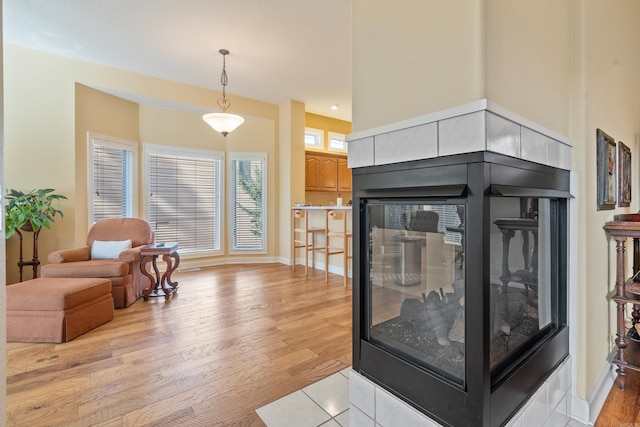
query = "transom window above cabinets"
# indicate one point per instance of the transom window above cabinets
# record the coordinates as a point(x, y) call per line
point(314, 138)
point(337, 142)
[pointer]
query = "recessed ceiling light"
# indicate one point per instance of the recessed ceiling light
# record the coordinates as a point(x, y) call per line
point(334, 107)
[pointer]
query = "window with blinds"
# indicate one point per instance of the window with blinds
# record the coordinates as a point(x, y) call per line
point(184, 189)
point(112, 174)
point(248, 201)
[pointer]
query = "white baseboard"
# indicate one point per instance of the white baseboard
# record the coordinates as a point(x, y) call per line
point(587, 411)
point(334, 269)
point(285, 261)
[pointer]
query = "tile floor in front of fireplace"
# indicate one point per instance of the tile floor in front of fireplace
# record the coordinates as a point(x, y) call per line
point(323, 404)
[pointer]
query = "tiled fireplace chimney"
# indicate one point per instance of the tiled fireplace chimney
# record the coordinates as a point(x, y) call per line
point(460, 271)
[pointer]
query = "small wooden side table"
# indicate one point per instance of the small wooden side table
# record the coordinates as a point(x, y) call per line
point(160, 285)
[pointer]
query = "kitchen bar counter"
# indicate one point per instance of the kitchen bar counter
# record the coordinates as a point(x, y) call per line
point(320, 208)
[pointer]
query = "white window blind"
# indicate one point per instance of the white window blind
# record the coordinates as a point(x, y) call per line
point(184, 198)
point(248, 188)
point(111, 177)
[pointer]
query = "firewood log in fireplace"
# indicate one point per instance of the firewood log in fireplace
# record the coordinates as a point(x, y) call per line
point(443, 314)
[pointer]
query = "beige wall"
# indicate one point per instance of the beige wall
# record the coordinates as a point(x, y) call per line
point(569, 66)
point(414, 57)
point(99, 113)
point(61, 93)
point(610, 97)
point(41, 154)
point(291, 158)
point(3, 291)
point(529, 59)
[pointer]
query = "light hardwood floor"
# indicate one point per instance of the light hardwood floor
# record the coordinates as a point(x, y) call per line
point(233, 339)
point(622, 408)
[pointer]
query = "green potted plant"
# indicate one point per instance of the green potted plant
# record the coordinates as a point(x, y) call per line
point(30, 211)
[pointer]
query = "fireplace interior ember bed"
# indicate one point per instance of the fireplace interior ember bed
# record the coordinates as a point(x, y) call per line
point(461, 305)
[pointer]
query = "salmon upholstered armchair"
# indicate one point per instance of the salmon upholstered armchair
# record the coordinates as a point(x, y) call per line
point(113, 252)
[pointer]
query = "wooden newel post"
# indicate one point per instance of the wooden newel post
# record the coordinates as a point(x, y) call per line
point(34, 260)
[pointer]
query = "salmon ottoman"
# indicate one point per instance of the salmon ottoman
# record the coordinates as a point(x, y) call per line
point(57, 309)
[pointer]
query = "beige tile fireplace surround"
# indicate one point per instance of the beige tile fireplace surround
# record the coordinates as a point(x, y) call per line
point(478, 126)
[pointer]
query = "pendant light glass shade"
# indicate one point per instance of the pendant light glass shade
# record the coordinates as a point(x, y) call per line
point(223, 122)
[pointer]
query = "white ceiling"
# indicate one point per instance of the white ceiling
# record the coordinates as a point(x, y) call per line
point(280, 50)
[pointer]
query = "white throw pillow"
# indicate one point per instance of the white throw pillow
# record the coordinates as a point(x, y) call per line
point(109, 249)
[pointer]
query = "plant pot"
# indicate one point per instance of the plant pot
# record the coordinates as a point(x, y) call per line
point(27, 227)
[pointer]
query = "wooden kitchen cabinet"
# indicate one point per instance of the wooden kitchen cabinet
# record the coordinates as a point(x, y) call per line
point(344, 176)
point(327, 172)
point(312, 173)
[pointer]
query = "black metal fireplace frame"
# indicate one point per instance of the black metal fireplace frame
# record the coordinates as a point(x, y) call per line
point(484, 400)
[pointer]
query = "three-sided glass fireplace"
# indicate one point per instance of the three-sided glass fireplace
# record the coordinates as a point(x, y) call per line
point(460, 307)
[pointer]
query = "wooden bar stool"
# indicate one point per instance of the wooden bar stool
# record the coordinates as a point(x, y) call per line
point(304, 237)
point(339, 234)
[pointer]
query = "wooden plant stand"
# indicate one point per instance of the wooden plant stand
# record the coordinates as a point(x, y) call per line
point(34, 260)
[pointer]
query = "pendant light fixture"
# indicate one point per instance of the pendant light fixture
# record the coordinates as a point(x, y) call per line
point(223, 122)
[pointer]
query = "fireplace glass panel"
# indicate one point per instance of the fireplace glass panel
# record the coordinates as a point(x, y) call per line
point(416, 280)
point(521, 297)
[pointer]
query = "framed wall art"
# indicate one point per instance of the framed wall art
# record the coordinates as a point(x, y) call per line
point(624, 175)
point(606, 170)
